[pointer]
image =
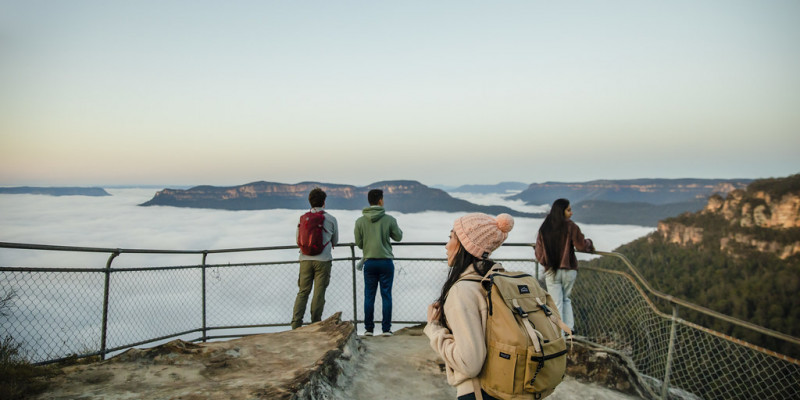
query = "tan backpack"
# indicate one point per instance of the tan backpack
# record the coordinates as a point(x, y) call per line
point(526, 353)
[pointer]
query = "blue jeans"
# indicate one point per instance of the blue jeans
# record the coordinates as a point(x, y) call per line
point(559, 285)
point(378, 271)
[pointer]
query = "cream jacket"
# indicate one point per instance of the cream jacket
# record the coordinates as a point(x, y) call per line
point(463, 346)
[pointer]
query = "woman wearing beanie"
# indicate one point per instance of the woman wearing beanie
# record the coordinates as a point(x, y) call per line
point(555, 249)
point(457, 321)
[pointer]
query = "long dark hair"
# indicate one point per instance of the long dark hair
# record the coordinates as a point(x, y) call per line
point(463, 260)
point(554, 233)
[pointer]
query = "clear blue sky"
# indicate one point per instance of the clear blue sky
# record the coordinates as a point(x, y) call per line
point(444, 92)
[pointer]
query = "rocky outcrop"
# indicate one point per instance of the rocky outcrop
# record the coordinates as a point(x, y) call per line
point(300, 364)
point(679, 233)
point(765, 217)
point(605, 367)
point(401, 196)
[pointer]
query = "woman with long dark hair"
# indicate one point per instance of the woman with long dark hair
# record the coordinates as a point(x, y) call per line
point(555, 249)
point(457, 321)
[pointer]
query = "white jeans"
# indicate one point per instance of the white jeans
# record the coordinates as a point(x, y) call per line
point(559, 285)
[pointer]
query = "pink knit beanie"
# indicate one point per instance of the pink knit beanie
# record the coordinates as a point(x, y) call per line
point(480, 234)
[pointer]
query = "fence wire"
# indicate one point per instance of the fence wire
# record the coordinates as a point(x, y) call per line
point(612, 311)
point(58, 313)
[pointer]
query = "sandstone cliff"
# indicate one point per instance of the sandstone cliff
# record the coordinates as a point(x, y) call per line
point(765, 217)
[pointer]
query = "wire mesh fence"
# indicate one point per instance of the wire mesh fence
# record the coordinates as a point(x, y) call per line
point(56, 313)
point(612, 310)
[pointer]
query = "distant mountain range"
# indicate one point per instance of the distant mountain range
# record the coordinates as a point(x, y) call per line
point(55, 191)
point(401, 196)
point(653, 191)
point(635, 201)
point(502, 187)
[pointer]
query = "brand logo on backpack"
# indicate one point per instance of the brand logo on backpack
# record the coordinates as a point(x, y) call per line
point(523, 289)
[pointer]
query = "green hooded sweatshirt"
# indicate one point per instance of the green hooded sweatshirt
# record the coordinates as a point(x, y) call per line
point(373, 231)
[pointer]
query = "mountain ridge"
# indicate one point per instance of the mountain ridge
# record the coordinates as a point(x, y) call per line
point(56, 191)
point(400, 195)
point(654, 191)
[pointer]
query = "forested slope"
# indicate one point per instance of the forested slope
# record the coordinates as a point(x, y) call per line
point(739, 256)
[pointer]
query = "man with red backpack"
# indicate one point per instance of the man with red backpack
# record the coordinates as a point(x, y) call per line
point(317, 233)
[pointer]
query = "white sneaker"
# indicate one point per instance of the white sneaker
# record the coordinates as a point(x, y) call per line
point(387, 334)
point(368, 333)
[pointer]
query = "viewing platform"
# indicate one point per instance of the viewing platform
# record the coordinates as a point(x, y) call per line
point(61, 313)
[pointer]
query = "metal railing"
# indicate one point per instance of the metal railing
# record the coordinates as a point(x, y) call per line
point(60, 313)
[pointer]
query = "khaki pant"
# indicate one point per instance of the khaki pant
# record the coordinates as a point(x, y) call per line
point(318, 274)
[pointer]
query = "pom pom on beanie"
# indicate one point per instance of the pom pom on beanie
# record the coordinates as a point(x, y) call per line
point(481, 234)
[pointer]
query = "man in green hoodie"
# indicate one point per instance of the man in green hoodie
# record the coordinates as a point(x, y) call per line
point(373, 231)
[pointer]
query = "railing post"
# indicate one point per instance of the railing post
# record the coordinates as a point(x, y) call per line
point(205, 254)
point(670, 350)
point(355, 307)
point(535, 262)
point(104, 331)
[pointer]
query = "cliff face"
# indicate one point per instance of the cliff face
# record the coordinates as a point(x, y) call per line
point(758, 208)
point(679, 233)
point(760, 218)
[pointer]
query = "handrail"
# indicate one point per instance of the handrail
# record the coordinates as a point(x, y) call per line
point(30, 246)
point(700, 309)
point(628, 264)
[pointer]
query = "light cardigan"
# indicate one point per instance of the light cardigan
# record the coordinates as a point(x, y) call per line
point(463, 346)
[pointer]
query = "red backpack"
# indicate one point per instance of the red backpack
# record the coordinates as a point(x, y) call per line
point(309, 236)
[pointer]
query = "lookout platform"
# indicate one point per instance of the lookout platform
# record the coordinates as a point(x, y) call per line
point(326, 360)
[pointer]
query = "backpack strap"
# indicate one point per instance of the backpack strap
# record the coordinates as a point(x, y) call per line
point(554, 318)
point(535, 335)
point(556, 321)
point(476, 385)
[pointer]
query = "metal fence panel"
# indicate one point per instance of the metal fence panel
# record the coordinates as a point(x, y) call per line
point(58, 312)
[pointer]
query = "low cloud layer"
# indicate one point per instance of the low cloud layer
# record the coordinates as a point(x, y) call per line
point(117, 222)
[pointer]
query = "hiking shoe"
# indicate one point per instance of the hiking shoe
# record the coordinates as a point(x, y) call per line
point(387, 333)
point(368, 333)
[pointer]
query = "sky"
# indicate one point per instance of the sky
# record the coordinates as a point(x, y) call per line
point(100, 93)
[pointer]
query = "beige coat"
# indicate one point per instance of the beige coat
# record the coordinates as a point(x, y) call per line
point(463, 346)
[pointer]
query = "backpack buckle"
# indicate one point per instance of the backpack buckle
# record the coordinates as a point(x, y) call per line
point(546, 310)
point(519, 309)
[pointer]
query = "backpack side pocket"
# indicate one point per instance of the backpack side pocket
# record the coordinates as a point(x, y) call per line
point(546, 370)
point(499, 368)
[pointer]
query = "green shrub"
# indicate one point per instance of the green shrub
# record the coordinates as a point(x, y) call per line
point(18, 377)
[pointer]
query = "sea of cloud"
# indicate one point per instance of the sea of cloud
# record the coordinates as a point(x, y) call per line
point(63, 308)
point(117, 221)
